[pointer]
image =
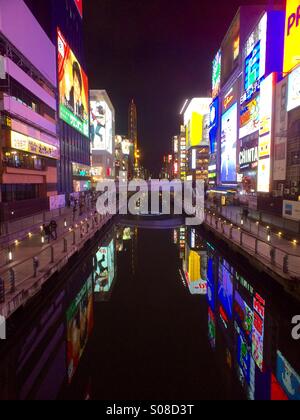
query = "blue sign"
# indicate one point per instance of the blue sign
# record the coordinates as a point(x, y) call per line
point(214, 124)
point(252, 67)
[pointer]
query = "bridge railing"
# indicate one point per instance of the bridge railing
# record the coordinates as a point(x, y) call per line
point(271, 255)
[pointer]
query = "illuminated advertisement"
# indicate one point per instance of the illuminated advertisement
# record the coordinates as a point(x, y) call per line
point(266, 106)
point(229, 145)
point(255, 58)
point(79, 6)
point(265, 134)
point(264, 171)
point(195, 282)
point(216, 75)
point(225, 290)
point(31, 145)
point(214, 124)
point(105, 268)
point(294, 90)
point(244, 355)
point(80, 321)
point(244, 315)
point(194, 120)
point(292, 36)
point(250, 118)
point(258, 331)
point(101, 126)
point(291, 210)
point(73, 88)
point(288, 378)
point(248, 158)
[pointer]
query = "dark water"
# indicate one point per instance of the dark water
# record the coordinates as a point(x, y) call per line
point(159, 315)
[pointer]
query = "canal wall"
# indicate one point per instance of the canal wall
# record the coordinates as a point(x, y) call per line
point(280, 263)
point(24, 280)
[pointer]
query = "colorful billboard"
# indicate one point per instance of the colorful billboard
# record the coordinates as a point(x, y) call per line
point(80, 322)
point(216, 75)
point(265, 134)
point(255, 58)
point(73, 88)
point(101, 126)
point(229, 145)
point(294, 90)
point(292, 36)
point(249, 119)
point(194, 121)
point(105, 268)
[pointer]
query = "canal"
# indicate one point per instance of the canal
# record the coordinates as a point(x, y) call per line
point(154, 314)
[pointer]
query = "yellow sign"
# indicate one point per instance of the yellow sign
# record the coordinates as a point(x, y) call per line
point(194, 266)
point(292, 35)
point(31, 145)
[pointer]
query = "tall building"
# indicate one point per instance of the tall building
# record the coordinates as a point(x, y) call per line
point(133, 133)
point(102, 131)
point(63, 22)
point(245, 72)
point(29, 144)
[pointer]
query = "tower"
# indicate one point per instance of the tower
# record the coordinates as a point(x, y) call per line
point(132, 134)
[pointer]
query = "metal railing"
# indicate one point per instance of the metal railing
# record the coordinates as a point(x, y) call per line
point(271, 255)
point(22, 280)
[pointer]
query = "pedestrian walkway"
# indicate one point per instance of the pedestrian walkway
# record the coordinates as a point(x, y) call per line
point(278, 254)
point(34, 262)
point(15, 232)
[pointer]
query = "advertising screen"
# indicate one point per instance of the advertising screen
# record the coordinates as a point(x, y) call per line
point(214, 124)
point(249, 120)
point(288, 378)
point(244, 355)
point(105, 268)
point(294, 90)
point(255, 53)
point(73, 88)
point(244, 315)
point(216, 75)
point(225, 290)
point(101, 126)
point(80, 321)
point(292, 36)
point(263, 179)
point(229, 145)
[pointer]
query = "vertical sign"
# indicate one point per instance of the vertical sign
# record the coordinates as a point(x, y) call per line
point(265, 134)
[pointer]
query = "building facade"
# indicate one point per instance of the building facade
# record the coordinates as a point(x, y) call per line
point(29, 143)
point(63, 23)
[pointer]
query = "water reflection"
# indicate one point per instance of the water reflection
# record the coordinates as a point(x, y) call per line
point(120, 307)
point(244, 328)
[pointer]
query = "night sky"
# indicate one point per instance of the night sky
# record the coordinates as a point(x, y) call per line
point(158, 52)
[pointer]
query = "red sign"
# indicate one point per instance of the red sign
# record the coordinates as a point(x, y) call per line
point(79, 6)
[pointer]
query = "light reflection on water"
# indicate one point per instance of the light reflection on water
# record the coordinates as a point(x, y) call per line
point(92, 331)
